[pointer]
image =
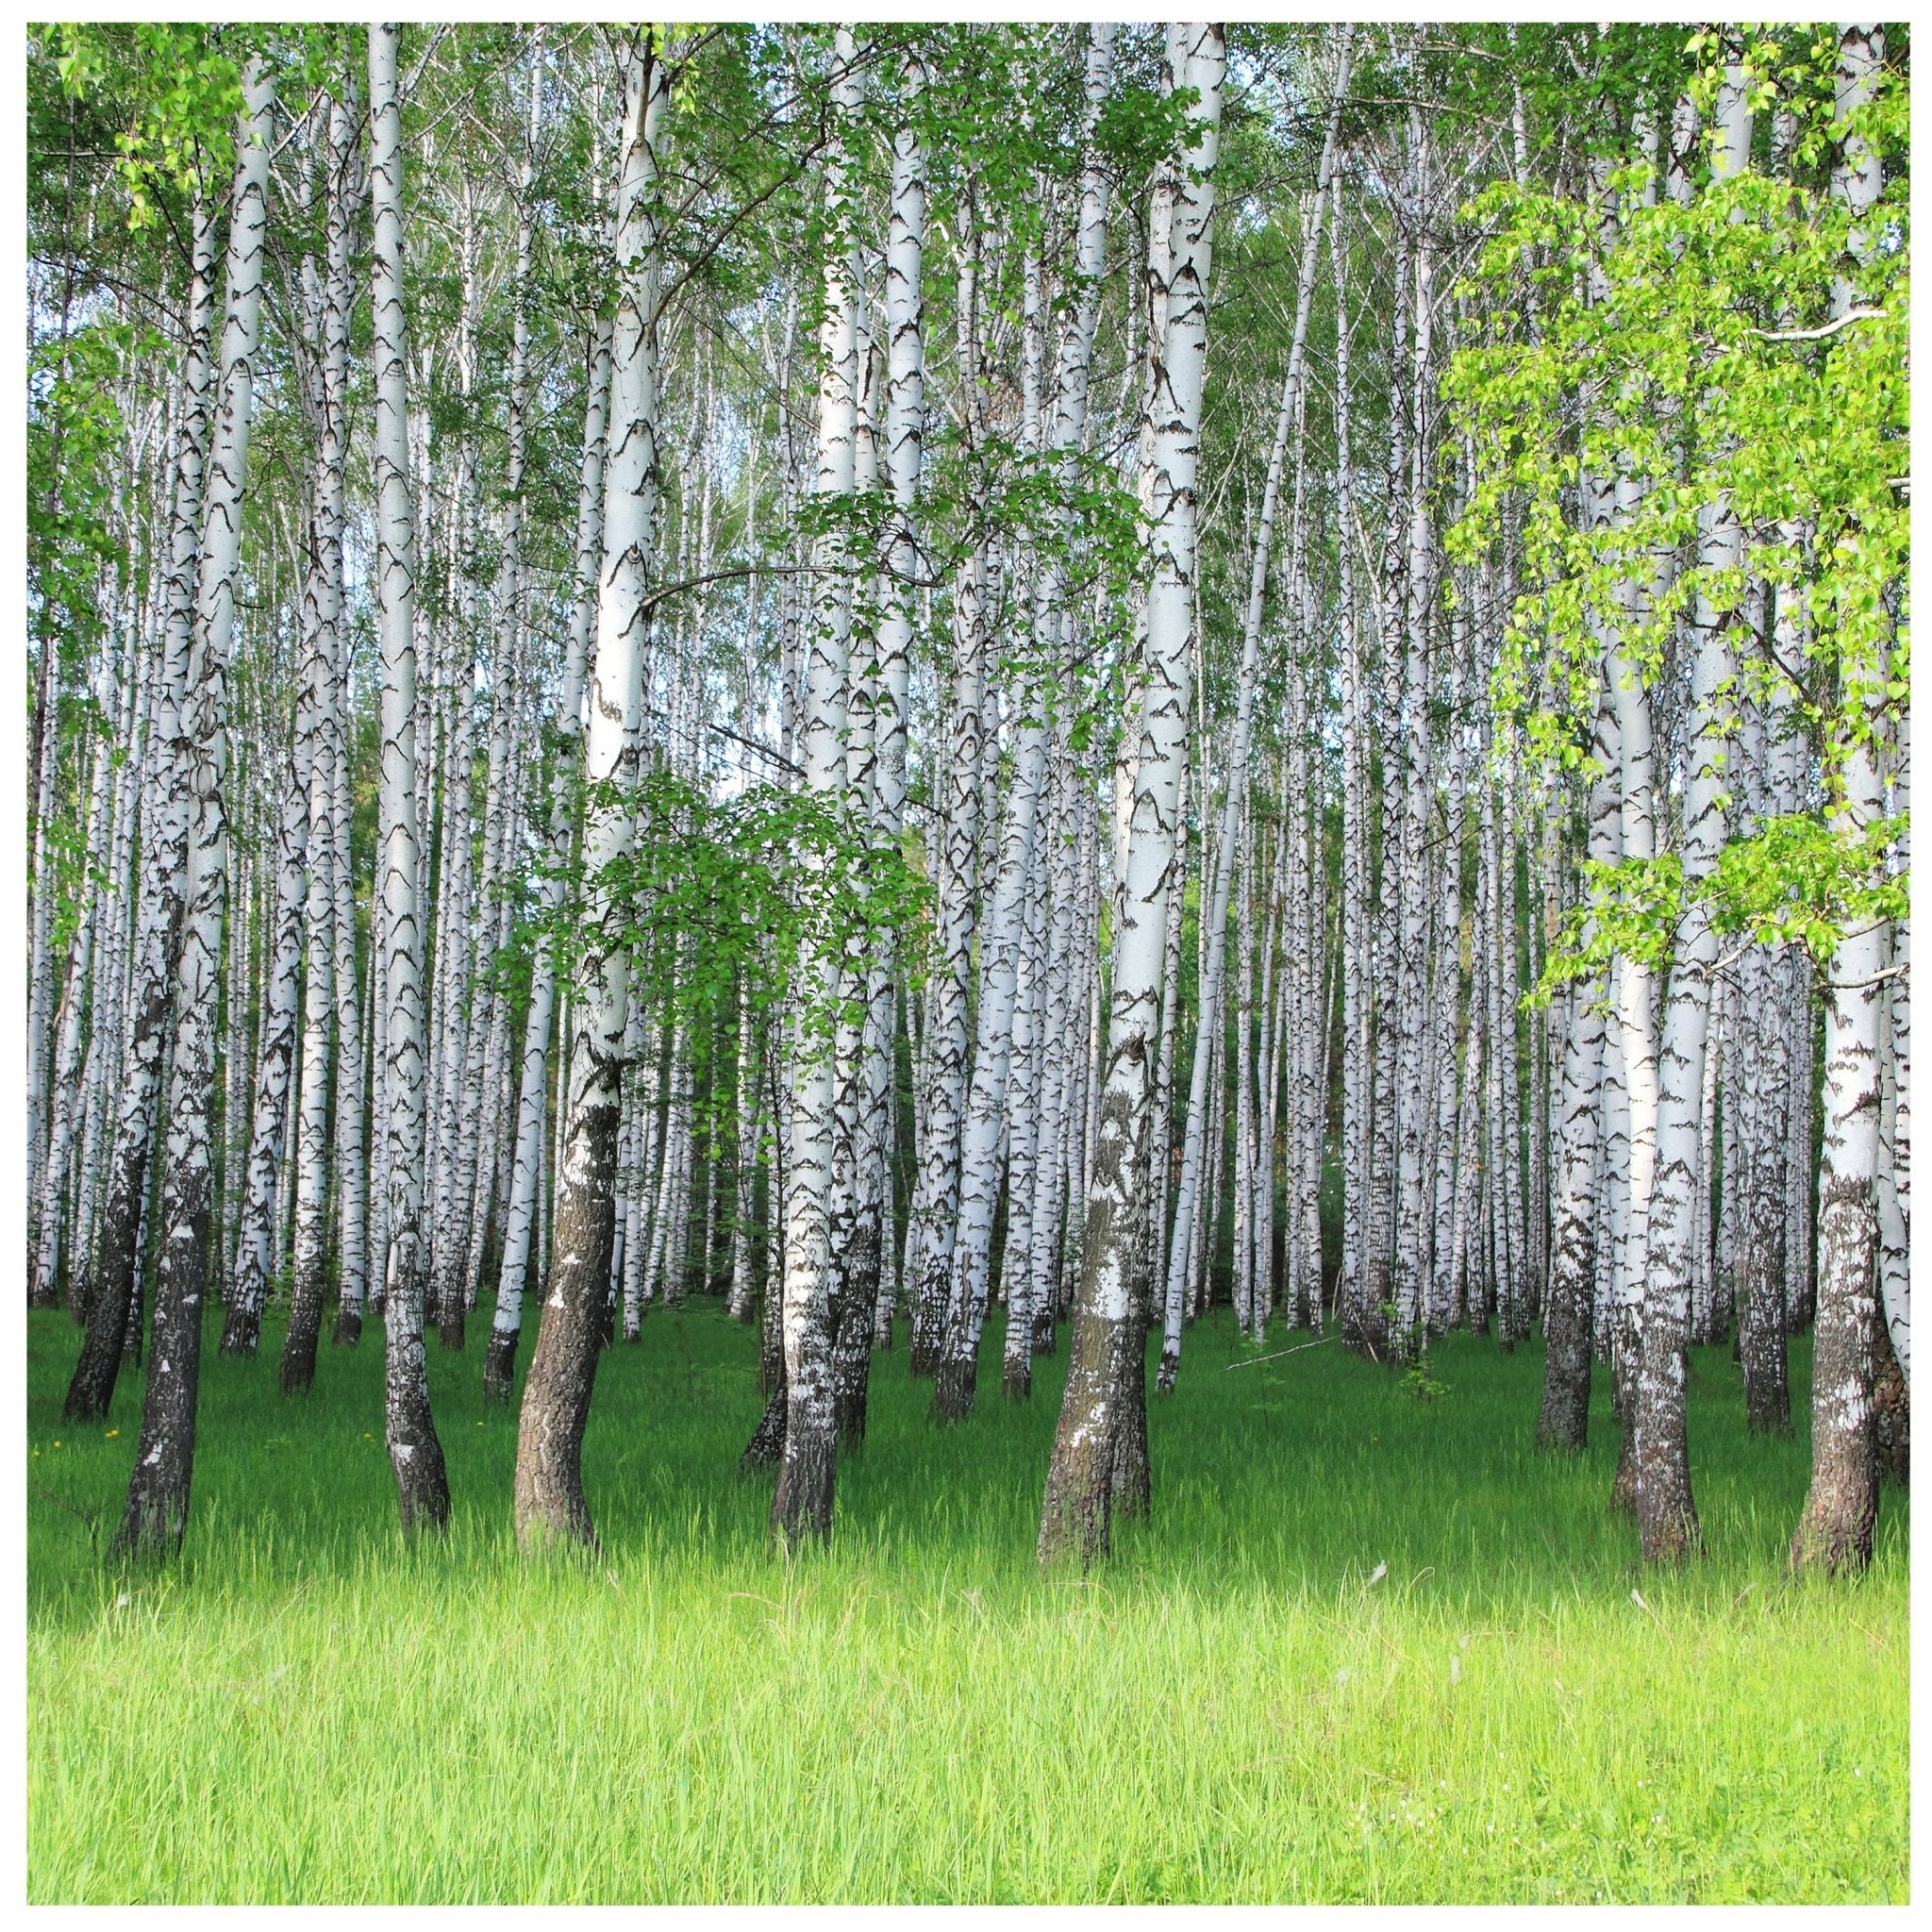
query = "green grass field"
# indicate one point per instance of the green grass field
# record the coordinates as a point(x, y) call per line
point(305, 1709)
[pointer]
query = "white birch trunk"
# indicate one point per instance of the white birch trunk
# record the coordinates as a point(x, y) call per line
point(1841, 1510)
point(415, 1452)
point(1288, 419)
point(1100, 1449)
point(157, 1491)
point(548, 1495)
point(802, 1500)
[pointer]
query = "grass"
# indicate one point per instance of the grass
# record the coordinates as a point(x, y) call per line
point(1233, 1709)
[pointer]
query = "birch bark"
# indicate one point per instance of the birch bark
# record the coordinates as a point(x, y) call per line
point(328, 834)
point(507, 1322)
point(802, 1500)
point(163, 859)
point(1841, 1510)
point(1099, 1461)
point(1286, 421)
point(157, 1491)
point(548, 1497)
point(414, 1450)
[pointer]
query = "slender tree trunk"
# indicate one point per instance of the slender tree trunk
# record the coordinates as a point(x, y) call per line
point(351, 1033)
point(802, 1500)
point(1356, 925)
point(328, 836)
point(549, 1498)
point(414, 1450)
point(1564, 1420)
point(500, 1358)
point(857, 1290)
point(1287, 422)
point(163, 861)
point(1842, 1508)
point(65, 1098)
point(1099, 1461)
point(936, 1208)
point(157, 1493)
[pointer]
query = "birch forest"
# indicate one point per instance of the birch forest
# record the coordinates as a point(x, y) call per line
point(966, 694)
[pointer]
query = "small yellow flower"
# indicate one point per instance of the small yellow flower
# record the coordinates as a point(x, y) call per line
point(57, 1442)
point(111, 1434)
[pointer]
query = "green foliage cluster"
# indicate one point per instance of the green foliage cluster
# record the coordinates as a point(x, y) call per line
point(1743, 353)
point(721, 891)
point(76, 441)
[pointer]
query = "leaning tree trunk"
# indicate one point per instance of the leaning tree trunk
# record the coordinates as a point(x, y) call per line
point(549, 1495)
point(500, 1358)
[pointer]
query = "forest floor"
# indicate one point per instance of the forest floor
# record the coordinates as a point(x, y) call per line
point(1243, 1705)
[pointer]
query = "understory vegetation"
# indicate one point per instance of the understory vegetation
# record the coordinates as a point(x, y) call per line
point(1238, 1707)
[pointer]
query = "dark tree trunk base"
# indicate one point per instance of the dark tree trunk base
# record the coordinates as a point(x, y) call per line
point(453, 1330)
point(303, 1330)
point(422, 1481)
point(158, 1491)
point(768, 1439)
point(802, 1502)
point(1842, 1510)
point(1133, 1475)
point(548, 1492)
point(1623, 1484)
point(500, 1365)
point(955, 1386)
point(1674, 1540)
point(1762, 1356)
point(92, 1390)
point(1092, 1474)
point(853, 1306)
point(1835, 1532)
point(1891, 1415)
point(928, 1333)
point(348, 1329)
point(1768, 1399)
point(298, 1350)
point(240, 1331)
point(1563, 1421)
